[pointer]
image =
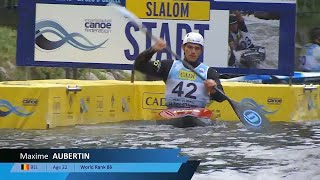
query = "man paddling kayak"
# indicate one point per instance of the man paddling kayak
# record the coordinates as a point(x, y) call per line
point(183, 88)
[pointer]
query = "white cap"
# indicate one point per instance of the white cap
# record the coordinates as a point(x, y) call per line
point(193, 37)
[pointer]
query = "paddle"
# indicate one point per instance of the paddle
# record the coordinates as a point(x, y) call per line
point(249, 115)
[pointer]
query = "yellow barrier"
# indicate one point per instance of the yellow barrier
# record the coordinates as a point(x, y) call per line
point(47, 103)
point(23, 107)
point(279, 102)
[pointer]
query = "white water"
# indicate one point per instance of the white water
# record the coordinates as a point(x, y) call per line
point(227, 150)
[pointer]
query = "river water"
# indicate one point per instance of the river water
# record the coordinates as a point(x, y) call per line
point(227, 150)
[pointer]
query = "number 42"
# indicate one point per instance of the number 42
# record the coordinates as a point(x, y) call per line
point(180, 92)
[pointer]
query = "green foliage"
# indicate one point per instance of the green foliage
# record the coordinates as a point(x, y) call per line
point(308, 15)
point(138, 76)
point(7, 45)
point(308, 6)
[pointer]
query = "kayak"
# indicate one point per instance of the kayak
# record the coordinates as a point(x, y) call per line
point(186, 117)
point(297, 78)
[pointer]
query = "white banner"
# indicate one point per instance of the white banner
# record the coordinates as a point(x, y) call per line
point(97, 34)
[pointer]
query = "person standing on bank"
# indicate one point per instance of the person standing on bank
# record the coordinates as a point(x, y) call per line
point(309, 57)
point(183, 88)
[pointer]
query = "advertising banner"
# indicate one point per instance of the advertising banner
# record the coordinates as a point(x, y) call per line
point(247, 36)
point(23, 108)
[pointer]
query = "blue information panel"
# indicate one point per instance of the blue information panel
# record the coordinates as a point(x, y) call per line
point(95, 167)
point(241, 36)
point(95, 164)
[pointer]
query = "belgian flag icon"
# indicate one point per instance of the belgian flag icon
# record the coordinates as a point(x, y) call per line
point(25, 167)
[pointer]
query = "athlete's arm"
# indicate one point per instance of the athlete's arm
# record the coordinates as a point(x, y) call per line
point(243, 27)
point(216, 96)
point(156, 68)
point(238, 16)
point(232, 43)
point(241, 24)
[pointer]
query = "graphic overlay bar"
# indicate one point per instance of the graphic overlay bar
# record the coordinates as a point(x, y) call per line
point(91, 155)
point(96, 167)
point(95, 164)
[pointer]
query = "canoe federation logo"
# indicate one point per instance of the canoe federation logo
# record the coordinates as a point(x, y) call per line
point(7, 108)
point(50, 35)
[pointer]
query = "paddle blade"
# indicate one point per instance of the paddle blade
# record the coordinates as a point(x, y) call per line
point(250, 116)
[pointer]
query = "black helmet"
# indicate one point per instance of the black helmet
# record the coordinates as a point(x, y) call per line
point(232, 19)
point(314, 33)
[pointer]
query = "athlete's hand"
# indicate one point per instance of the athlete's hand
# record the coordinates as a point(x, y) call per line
point(159, 45)
point(209, 83)
point(239, 16)
point(237, 13)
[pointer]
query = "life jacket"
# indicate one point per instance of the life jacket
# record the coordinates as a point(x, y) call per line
point(243, 40)
point(309, 58)
point(184, 88)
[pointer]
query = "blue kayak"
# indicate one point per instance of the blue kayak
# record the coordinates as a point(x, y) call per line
point(297, 78)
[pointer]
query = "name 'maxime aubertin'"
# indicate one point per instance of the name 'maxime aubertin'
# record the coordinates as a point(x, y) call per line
point(62, 156)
